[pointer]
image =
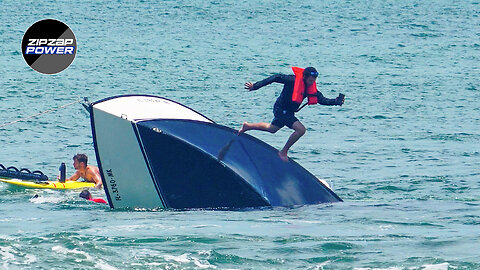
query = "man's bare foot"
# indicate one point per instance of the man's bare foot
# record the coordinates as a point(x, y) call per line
point(283, 156)
point(244, 128)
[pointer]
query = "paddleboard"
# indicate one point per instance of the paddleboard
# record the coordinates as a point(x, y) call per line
point(48, 184)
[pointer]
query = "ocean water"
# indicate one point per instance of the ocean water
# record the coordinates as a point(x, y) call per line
point(403, 152)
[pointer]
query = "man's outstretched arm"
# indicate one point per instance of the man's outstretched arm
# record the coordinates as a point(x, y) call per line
point(74, 177)
point(330, 101)
point(278, 78)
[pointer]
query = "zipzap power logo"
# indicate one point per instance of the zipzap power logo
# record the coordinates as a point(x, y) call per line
point(49, 46)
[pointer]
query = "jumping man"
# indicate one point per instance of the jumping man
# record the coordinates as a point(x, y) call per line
point(295, 89)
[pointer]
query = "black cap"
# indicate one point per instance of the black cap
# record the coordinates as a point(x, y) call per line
point(310, 72)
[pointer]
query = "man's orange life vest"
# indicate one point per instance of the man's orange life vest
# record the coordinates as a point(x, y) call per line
point(299, 88)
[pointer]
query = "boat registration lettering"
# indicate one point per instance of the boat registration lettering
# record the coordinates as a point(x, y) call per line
point(113, 185)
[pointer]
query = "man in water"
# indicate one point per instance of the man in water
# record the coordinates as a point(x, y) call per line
point(88, 172)
point(295, 89)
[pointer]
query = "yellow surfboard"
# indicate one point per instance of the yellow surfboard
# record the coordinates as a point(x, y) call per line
point(48, 184)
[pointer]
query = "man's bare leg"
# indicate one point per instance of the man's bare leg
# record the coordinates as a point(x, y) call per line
point(258, 126)
point(299, 131)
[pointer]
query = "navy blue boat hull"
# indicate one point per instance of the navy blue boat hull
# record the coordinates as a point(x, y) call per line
point(194, 169)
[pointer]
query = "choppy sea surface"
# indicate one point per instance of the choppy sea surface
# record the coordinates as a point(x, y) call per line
point(403, 152)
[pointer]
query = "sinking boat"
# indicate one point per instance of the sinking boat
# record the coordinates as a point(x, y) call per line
point(157, 153)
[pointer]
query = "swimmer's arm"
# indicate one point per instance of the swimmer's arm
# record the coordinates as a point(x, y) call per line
point(74, 177)
point(98, 181)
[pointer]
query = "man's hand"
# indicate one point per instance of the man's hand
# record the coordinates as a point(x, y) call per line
point(340, 99)
point(249, 86)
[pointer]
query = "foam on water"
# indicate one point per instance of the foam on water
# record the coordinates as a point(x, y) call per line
point(81, 257)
